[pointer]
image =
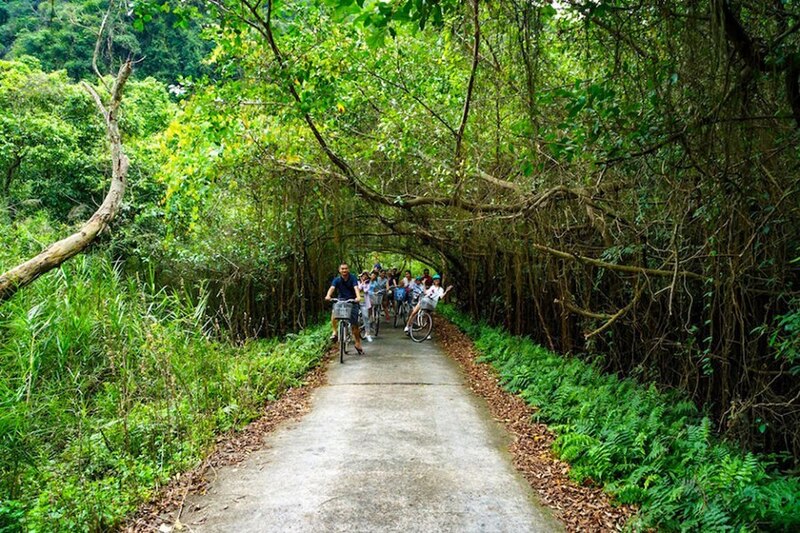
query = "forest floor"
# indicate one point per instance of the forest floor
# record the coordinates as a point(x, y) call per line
point(394, 440)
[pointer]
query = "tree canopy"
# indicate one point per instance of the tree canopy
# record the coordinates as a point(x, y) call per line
point(615, 176)
point(614, 179)
point(62, 34)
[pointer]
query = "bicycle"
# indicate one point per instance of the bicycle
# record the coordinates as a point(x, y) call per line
point(401, 309)
point(375, 312)
point(422, 324)
point(342, 311)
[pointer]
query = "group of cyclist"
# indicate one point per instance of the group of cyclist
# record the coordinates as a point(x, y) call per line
point(387, 288)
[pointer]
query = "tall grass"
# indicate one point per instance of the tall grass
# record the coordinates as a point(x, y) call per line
point(644, 446)
point(108, 387)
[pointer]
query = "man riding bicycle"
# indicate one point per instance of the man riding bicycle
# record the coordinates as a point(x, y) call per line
point(346, 288)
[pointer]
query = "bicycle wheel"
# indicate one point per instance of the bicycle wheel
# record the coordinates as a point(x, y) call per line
point(371, 315)
point(421, 327)
point(398, 307)
point(362, 325)
point(403, 313)
point(376, 321)
point(342, 340)
point(348, 332)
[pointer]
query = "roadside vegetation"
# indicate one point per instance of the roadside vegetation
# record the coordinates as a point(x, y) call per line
point(644, 445)
point(109, 386)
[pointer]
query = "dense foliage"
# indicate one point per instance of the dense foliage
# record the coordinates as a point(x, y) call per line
point(53, 152)
point(645, 446)
point(617, 176)
point(611, 177)
point(109, 386)
point(118, 370)
point(62, 34)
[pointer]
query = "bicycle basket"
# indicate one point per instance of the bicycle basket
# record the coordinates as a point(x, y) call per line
point(428, 304)
point(342, 310)
point(376, 299)
point(399, 293)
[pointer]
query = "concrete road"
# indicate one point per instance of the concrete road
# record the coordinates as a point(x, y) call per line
point(394, 442)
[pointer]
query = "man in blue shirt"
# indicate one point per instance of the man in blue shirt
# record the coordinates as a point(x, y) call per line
point(346, 288)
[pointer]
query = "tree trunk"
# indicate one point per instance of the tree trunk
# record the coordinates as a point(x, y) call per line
point(59, 252)
point(10, 174)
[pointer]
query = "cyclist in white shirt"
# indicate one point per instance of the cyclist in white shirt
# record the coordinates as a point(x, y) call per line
point(435, 292)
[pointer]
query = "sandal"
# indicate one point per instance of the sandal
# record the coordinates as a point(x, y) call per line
point(359, 350)
point(334, 338)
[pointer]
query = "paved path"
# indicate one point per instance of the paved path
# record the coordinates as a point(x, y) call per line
point(394, 442)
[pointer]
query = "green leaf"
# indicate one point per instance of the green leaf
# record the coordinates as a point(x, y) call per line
point(376, 38)
point(527, 168)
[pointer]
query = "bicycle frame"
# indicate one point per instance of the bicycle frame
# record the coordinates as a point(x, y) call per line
point(375, 315)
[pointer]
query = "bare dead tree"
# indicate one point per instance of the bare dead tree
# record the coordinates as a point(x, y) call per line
point(57, 253)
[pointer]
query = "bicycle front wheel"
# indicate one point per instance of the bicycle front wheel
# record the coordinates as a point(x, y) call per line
point(417, 323)
point(376, 320)
point(398, 309)
point(342, 340)
point(421, 327)
point(349, 334)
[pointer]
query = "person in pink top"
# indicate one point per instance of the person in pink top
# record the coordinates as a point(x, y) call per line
point(363, 286)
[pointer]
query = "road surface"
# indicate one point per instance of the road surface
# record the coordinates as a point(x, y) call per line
point(395, 441)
